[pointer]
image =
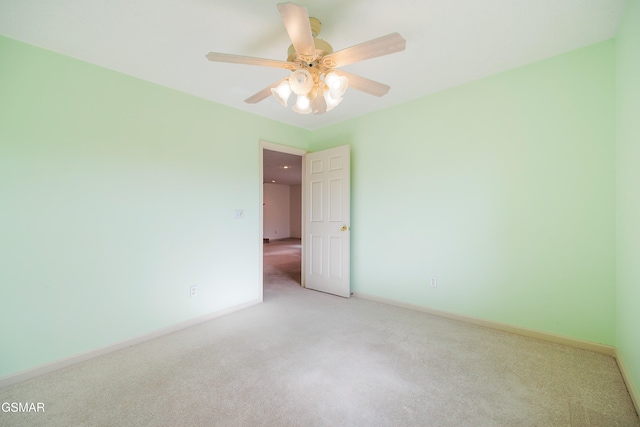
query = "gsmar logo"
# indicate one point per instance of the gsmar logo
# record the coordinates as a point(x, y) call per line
point(22, 407)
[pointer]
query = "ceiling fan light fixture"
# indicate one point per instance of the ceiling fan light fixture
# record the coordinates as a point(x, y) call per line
point(336, 82)
point(333, 94)
point(282, 92)
point(312, 61)
point(302, 105)
point(330, 100)
point(301, 81)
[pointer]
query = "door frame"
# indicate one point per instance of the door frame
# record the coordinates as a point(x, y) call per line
point(266, 145)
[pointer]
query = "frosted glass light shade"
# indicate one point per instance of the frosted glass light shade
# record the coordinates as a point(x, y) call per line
point(336, 82)
point(282, 92)
point(312, 96)
point(333, 93)
point(331, 100)
point(302, 105)
point(301, 81)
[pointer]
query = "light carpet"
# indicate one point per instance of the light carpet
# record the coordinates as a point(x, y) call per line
point(304, 358)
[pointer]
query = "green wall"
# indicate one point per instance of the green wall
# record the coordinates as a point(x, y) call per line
point(116, 195)
point(504, 189)
point(628, 190)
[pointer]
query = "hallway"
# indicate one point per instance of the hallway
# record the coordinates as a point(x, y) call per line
point(281, 265)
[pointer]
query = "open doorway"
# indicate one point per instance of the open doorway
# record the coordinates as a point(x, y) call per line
point(281, 217)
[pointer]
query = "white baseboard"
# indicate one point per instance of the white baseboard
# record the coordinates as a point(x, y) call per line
point(72, 360)
point(546, 336)
point(627, 380)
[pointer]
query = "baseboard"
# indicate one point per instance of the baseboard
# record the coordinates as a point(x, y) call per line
point(558, 339)
point(627, 380)
point(72, 360)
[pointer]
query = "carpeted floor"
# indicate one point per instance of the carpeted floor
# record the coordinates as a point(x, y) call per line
point(304, 358)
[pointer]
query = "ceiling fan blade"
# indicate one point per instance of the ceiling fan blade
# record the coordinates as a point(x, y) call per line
point(296, 21)
point(239, 59)
point(365, 85)
point(263, 94)
point(391, 43)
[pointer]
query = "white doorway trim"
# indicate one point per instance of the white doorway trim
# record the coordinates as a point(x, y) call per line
point(265, 145)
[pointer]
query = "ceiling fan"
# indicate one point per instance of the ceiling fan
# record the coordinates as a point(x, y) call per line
point(314, 77)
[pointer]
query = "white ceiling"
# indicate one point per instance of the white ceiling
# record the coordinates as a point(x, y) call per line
point(449, 42)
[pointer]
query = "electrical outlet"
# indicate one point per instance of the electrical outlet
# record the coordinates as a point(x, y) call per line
point(193, 291)
point(433, 282)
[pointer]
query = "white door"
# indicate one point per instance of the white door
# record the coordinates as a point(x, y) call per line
point(326, 221)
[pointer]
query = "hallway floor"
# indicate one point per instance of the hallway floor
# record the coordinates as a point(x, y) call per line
point(282, 261)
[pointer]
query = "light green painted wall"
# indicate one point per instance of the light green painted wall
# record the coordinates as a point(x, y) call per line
point(628, 190)
point(116, 195)
point(503, 188)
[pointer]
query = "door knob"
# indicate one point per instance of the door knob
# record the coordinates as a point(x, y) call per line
point(344, 228)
